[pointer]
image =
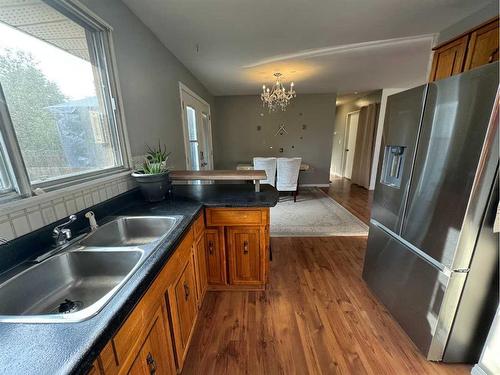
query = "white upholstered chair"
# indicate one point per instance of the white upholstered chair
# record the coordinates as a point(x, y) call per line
point(269, 165)
point(288, 175)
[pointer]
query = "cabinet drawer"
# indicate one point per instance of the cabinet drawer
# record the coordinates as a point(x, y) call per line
point(235, 216)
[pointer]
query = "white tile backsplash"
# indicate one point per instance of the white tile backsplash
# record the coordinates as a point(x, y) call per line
point(21, 225)
point(23, 217)
point(80, 202)
point(35, 219)
point(70, 204)
point(59, 208)
point(6, 230)
point(48, 214)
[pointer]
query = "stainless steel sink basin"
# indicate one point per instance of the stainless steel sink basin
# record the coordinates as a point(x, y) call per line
point(132, 231)
point(71, 286)
point(76, 283)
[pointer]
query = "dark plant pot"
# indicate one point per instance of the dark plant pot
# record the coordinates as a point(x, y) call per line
point(154, 187)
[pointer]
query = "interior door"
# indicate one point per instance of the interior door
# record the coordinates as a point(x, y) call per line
point(197, 131)
point(350, 142)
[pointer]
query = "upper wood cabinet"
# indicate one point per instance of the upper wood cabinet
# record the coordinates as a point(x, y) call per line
point(477, 47)
point(483, 46)
point(449, 59)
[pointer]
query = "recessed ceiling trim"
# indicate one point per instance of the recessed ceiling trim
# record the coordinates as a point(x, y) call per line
point(317, 52)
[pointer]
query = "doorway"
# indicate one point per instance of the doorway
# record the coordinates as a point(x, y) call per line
point(351, 131)
point(197, 129)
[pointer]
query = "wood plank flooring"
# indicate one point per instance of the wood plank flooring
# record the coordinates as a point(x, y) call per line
point(316, 317)
point(354, 198)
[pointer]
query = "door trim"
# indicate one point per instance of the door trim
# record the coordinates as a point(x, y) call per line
point(185, 89)
point(344, 144)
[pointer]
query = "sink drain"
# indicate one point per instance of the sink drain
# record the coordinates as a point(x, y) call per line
point(69, 306)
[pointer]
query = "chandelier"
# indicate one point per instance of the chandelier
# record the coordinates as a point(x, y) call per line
point(277, 96)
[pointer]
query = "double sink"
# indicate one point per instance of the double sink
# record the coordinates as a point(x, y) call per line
point(76, 282)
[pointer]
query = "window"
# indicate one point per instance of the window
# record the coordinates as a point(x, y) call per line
point(59, 94)
point(5, 180)
point(193, 138)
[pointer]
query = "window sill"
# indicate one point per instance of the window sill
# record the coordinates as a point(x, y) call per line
point(19, 203)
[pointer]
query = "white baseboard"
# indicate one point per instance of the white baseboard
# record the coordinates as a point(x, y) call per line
point(477, 370)
point(314, 185)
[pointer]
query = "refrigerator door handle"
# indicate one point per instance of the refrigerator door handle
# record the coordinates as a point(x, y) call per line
point(445, 270)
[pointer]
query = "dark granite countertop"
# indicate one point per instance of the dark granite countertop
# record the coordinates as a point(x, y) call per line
point(62, 348)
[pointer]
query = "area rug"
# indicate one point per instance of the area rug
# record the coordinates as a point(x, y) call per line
point(314, 214)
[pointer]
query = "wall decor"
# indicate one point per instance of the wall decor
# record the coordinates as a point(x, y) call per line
point(281, 130)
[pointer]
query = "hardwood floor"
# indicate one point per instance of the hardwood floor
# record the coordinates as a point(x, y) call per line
point(316, 317)
point(356, 199)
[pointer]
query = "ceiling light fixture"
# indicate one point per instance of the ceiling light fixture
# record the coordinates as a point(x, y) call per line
point(277, 97)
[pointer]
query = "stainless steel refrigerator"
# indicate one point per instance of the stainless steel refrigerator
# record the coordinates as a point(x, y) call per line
point(426, 260)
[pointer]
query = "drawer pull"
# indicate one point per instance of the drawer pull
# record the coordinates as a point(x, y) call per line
point(245, 247)
point(186, 290)
point(211, 247)
point(150, 360)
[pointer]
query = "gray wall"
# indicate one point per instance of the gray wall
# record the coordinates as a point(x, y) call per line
point(340, 123)
point(236, 138)
point(477, 18)
point(149, 76)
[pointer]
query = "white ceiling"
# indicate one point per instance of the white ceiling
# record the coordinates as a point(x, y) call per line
point(233, 46)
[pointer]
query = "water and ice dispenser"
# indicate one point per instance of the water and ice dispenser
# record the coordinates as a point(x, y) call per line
point(392, 167)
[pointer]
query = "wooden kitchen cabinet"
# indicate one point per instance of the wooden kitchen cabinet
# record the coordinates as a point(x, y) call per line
point(148, 326)
point(449, 59)
point(246, 265)
point(216, 257)
point(153, 357)
point(200, 258)
point(183, 309)
point(237, 248)
point(472, 49)
point(155, 337)
point(483, 46)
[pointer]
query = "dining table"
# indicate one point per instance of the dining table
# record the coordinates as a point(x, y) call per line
point(249, 167)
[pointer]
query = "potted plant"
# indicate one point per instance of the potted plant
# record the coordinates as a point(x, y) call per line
point(153, 179)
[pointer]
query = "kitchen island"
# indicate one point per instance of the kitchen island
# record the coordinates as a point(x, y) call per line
point(158, 305)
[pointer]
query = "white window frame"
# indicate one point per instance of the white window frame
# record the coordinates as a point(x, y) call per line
point(102, 39)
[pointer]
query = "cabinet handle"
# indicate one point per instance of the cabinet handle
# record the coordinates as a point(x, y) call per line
point(245, 247)
point(211, 247)
point(492, 56)
point(186, 290)
point(150, 360)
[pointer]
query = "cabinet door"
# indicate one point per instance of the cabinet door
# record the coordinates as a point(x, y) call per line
point(449, 59)
point(245, 256)
point(200, 258)
point(216, 259)
point(154, 358)
point(183, 308)
point(483, 46)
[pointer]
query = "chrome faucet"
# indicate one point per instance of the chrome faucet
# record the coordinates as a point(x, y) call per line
point(61, 234)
